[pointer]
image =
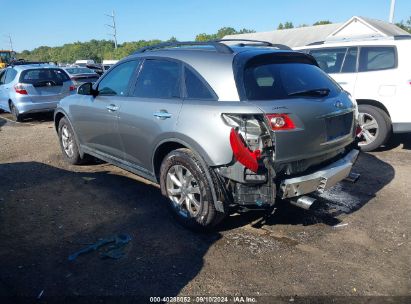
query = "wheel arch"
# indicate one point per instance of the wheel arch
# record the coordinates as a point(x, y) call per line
point(168, 145)
point(373, 103)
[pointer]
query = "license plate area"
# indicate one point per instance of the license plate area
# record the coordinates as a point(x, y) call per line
point(338, 126)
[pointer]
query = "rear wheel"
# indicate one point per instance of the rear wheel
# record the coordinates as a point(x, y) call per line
point(15, 112)
point(375, 127)
point(183, 180)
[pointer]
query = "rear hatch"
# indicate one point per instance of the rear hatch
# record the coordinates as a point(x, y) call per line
point(83, 78)
point(46, 84)
point(319, 116)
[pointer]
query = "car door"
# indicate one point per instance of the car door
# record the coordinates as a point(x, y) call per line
point(151, 112)
point(95, 118)
point(340, 63)
point(378, 78)
point(3, 91)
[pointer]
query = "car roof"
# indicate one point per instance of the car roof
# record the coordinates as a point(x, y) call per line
point(34, 66)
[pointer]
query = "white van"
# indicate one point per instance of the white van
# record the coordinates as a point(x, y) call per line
point(377, 73)
point(84, 62)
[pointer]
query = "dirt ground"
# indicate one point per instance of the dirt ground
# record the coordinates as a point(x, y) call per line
point(355, 241)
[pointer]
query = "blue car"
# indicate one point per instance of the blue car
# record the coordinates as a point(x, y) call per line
point(32, 88)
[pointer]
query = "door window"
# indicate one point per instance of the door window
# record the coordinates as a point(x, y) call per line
point(2, 76)
point(117, 80)
point(158, 79)
point(350, 61)
point(377, 58)
point(329, 60)
point(196, 88)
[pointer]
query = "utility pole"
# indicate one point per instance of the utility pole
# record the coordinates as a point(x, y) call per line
point(113, 27)
point(392, 8)
point(10, 42)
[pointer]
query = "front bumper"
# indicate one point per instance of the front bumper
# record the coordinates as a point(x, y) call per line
point(321, 180)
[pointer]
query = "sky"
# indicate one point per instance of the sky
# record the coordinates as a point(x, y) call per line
point(33, 23)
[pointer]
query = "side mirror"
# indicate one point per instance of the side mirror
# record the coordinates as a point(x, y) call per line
point(87, 89)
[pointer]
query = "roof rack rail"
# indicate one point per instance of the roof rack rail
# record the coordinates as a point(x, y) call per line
point(266, 43)
point(23, 62)
point(219, 47)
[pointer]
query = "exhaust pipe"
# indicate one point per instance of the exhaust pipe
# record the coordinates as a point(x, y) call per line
point(304, 202)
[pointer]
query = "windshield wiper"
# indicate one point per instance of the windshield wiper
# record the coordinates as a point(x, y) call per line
point(315, 92)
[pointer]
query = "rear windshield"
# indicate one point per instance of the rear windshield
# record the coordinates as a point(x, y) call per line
point(36, 76)
point(80, 71)
point(286, 80)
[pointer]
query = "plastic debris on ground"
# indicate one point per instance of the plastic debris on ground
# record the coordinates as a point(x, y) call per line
point(114, 247)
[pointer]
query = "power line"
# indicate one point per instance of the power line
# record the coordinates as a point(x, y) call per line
point(113, 27)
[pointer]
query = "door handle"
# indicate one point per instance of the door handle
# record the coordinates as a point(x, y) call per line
point(162, 115)
point(112, 108)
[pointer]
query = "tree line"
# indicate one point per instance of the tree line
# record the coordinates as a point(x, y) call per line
point(98, 50)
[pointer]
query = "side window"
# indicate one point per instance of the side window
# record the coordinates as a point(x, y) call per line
point(329, 60)
point(117, 80)
point(158, 79)
point(350, 61)
point(11, 74)
point(377, 58)
point(196, 89)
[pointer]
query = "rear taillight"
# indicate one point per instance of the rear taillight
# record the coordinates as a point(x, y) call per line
point(19, 88)
point(72, 88)
point(280, 122)
point(246, 157)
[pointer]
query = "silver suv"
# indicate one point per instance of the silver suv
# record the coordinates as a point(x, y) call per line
point(218, 126)
point(30, 88)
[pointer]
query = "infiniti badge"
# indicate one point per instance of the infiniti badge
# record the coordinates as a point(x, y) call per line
point(339, 104)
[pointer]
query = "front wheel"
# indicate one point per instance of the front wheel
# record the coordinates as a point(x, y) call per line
point(183, 180)
point(375, 127)
point(68, 143)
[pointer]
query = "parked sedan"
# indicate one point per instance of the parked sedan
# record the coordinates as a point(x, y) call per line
point(80, 75)
point(31, 88)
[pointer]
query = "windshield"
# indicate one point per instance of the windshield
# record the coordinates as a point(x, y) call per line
point(5, 56)
point(80, 71)
point(287, 80)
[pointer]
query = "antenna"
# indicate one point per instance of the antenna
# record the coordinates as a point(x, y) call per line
point(113, 27)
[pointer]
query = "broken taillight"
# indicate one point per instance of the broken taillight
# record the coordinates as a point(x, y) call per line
point(280, 122)
point(241, 152)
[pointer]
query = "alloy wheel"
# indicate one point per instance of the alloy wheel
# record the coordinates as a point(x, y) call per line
point(183, 190)
point(369, 129)
point(67, 141)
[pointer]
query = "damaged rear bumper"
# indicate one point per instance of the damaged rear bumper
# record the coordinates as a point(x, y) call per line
point(320, 180)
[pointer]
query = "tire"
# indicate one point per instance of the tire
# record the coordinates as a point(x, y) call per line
point(375, 127)
point(189, 192)
point(68, 143)
point(15, 112)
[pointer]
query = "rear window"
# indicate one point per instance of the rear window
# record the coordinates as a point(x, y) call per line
point(80, 71)
point(283, 80)
point(377, 58)
point(35, 76)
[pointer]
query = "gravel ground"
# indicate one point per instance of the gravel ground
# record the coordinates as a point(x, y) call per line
point(356, 241)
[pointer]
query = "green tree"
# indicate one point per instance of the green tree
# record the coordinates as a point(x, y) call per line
point(322, 22)
point(224, 31)
point(286, 25)
point(405, 26)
